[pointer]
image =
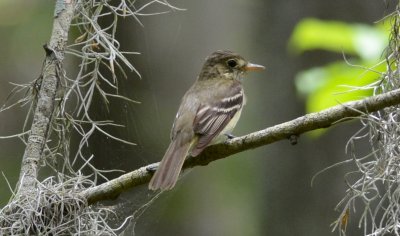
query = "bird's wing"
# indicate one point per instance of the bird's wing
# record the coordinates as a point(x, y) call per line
point(212, 118)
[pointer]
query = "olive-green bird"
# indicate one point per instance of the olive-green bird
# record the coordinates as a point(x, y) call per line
point(209, 109)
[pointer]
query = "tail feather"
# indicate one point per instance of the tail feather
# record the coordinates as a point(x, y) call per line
point(168, 171)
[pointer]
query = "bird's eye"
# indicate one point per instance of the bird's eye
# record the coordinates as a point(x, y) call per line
point(231, 63)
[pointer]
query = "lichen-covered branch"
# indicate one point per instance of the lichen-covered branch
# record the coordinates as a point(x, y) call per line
point(49, 81)
point(290, 129)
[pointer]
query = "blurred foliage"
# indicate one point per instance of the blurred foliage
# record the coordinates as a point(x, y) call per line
point(339, 81)
point(335, 83)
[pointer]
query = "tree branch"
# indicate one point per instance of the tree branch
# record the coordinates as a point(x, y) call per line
point(51, 72)
point(309, 122)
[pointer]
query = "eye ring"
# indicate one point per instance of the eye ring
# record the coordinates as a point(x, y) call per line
point(231, 63)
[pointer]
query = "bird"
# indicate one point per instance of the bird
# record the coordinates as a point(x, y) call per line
point(208, 112)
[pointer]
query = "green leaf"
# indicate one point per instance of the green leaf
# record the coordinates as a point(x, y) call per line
point(357, 39)
point(338, 82)
point(335, 83)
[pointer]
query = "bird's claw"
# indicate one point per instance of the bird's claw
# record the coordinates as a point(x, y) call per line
point(230, 136)
point(152, 168)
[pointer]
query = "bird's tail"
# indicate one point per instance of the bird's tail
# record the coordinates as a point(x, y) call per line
point(168, 171)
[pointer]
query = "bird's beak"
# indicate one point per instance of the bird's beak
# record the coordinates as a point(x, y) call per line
point(253, 67)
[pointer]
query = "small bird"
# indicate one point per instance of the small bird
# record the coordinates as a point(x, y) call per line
point(210, 109)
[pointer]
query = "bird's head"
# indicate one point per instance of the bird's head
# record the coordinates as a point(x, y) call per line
point(228, 65)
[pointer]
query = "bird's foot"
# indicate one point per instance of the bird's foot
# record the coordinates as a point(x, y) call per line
point(230, 136)
point(152, 168)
